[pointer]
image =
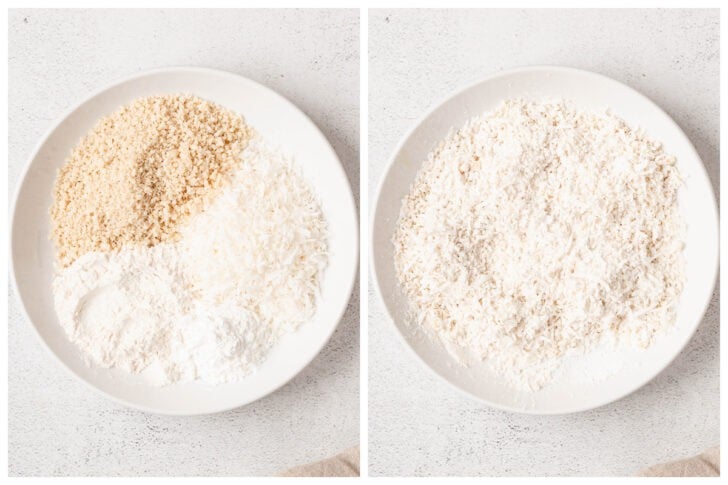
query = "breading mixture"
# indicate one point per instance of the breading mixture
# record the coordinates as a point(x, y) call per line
point(536, 231)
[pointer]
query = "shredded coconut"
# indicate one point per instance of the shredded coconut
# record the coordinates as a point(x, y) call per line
point(210, 306)
point(536, 231)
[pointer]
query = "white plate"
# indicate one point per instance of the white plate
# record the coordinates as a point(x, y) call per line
point(569, 392)
point(281, 124)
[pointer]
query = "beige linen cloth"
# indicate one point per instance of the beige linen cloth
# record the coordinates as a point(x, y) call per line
point(706, 464)
point(345, 464)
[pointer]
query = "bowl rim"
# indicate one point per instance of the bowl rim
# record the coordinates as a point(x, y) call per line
point(172, 70)
point(543, 68)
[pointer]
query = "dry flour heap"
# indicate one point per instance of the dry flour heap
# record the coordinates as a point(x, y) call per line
point(141, 172)
point(221, 285)
point(536, 231)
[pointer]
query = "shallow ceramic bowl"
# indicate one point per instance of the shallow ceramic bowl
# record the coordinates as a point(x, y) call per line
point(281, 124)
point(624, 371)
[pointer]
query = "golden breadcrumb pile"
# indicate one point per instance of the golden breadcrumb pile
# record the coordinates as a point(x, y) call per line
point(141, 172)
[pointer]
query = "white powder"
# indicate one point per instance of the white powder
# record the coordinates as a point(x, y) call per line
point(245, 272)
point(537, 231)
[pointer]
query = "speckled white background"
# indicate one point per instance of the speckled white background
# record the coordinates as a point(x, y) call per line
point(419, 425)
point(56, 425)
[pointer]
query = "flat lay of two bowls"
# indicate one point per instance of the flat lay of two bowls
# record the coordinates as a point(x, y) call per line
point(279, 120)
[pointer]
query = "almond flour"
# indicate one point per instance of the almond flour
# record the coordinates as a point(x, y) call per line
point(142, 172)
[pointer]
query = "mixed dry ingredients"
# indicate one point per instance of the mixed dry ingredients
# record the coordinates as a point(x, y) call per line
point(538, 231)
point(186, 245)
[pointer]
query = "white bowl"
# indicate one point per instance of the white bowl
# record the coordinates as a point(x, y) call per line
point(283, 125)
point(569, 392)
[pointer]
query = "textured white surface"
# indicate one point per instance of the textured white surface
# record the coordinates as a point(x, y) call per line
point(57, 426)
point(419, 425)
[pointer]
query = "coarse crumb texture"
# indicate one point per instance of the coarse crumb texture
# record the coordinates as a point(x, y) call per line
point(537, 231)
point(142, 172)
